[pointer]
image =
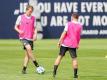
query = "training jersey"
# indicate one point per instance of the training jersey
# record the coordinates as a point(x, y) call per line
point(27, 25)
point(72, 38)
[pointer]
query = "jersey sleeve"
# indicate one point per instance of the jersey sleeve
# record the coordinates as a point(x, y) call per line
point(18, 20)
point(66, 27)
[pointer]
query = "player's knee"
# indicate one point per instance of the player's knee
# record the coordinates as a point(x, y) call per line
point(61, 55)
point(28, 47)
point(58, 60)
point(75, 63)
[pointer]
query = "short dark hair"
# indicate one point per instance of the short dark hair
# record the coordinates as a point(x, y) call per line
point(29, 6)
point(75, 15)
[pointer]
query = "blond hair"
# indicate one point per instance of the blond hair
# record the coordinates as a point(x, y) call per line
point(29, 6)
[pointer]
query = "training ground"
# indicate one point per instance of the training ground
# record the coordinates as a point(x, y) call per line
point(91, 59)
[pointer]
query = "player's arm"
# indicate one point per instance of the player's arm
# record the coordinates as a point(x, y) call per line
point(61, 38)
point(17, 25)
point(35, 34)
point(35, 31)
point(78, 39)
point(63, 35)
point(18, 30)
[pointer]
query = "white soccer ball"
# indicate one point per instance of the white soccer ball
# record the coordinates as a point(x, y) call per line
point(40, 70)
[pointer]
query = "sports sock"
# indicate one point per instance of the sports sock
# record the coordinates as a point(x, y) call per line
point(36, 64)
point(75, 73)
point(55, 69)
point(24, 68)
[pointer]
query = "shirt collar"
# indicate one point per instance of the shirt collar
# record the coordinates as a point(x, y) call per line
point(27, 16)
point(74, 21)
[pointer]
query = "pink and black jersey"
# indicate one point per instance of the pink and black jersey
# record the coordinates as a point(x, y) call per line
point(72, 37)
point(27, 26)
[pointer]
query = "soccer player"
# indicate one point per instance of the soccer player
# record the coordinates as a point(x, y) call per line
point(25, 26)
point(69, 41)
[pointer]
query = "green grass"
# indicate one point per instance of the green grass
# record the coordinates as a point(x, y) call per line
point(91, 58)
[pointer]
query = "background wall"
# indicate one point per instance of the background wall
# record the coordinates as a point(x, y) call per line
point(54, 15)
point(8, 14)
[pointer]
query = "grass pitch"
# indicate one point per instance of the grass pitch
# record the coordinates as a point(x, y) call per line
point(91, 59)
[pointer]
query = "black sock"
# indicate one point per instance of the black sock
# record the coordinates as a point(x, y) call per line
point(36, 64)
point(24, 68)
point(75, 73)
point(55, 69)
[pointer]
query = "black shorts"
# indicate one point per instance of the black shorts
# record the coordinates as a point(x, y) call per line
point(72, 51)
point(27, 42)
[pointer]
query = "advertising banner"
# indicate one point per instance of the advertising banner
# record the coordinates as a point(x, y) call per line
point(55, 14)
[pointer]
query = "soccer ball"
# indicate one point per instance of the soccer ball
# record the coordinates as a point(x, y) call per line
point(40, 70)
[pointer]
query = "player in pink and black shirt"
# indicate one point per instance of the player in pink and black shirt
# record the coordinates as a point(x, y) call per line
point(69, 41)
point(25, 26)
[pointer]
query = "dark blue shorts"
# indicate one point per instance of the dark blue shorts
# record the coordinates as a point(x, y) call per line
point(27, 42)
point(72, 51)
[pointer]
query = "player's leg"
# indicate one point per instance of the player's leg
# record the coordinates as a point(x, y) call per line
point(56, 64)
point(75, 67)
point(58, 59)
point(74, 61)
point(29, 51)
point(28, 46)
point(26, 60)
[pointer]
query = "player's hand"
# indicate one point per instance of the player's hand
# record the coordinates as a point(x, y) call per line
point(59, 44)
point(21, 32)
point(77, 47)
point(34, 38)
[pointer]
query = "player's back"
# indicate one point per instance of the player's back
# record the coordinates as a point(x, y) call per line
point(72, 37)
point(74, 29)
